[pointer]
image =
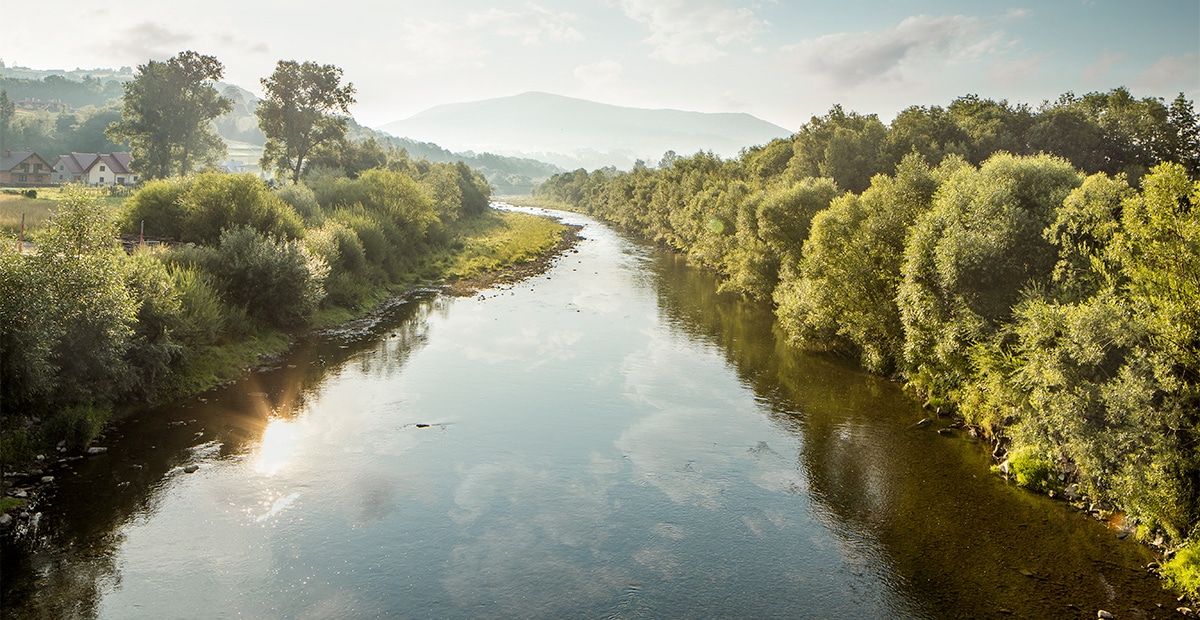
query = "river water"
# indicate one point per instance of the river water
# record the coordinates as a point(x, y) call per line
point(608, 440)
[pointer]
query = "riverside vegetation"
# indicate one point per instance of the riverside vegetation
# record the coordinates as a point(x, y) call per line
point(1035, 272)
point(90, 328)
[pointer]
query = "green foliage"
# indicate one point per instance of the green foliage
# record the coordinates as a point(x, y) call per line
point(66, 313)
point(846, 147)
point(196, 209)
point(1032, 470)
point(277, 281)
point(167, 110)
point(302, 200)
point(158, 205)
point(844, 292)
point(1182, 571)
point(77, 425)
point(969, 258)
point(216, 201)
point(299, 113)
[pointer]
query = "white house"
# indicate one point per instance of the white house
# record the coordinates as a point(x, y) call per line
point(94, 169)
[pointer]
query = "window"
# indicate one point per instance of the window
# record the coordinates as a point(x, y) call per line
point(101, 170)
point(120, 180)
point(60, 167)
point(21, 178)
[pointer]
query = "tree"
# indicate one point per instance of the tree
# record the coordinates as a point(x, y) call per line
point(7, 109)
point(166, 115)
point(299, 113)
point(968, 260)
point(1186, 138)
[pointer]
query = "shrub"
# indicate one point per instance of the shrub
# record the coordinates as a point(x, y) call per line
point(77, 425)
point(1032, 470)
point(277, 281)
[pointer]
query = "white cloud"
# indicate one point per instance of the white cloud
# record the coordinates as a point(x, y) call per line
point(144, 41)
point(1172, 73)
point(691, 32)
point(1014, 72)
point(429, 46)
point(853, 59)
point(1099, 69)
point(599, 77)
point(530, 26)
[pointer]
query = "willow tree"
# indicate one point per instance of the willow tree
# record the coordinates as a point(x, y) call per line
point(300, 112)
point(167, 113)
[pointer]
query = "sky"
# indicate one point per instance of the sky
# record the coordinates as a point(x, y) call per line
point(782, 61)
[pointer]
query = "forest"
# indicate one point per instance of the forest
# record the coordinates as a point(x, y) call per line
point(1035, 272)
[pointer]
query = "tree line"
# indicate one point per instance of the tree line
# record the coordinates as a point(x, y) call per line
point(1035, 272)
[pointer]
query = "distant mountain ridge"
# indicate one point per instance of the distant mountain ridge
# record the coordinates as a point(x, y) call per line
point(574, 133)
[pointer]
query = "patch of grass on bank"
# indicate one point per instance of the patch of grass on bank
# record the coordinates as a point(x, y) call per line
point(499, 239)
point(543, 202)
point(12, 504)
point(219, 363)
point(1182, 571)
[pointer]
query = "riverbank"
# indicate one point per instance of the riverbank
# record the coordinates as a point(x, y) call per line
point(528, 245)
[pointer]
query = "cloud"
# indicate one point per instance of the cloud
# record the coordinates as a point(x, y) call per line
point(1098, 69)
point(853, 59)
point(1015, 72)
point(530, 26)
point(147, 40)
point(429, 46)
point(1172, 73)
point(601, 76)
point(691, 32)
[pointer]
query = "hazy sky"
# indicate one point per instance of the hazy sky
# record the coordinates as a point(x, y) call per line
point(781, 60)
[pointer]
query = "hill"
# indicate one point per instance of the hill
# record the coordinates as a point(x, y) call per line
point(574, 133)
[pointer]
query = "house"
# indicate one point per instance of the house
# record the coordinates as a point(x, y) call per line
point(94, 169)
point(23, 168)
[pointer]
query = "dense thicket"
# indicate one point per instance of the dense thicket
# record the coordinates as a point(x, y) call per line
point(1036, 270)
point(87, 325)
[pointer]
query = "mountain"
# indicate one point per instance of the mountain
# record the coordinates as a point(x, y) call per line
point(575, 133)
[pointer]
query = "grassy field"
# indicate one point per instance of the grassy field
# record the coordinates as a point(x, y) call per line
point(37, 211)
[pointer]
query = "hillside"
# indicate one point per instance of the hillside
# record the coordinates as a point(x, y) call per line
point(575, 133)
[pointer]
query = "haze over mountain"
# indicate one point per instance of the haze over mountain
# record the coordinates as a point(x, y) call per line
point(576, 133)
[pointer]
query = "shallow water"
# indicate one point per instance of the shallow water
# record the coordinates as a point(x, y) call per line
point(611, 439)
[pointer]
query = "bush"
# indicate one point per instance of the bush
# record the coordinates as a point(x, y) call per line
point(158, 205)
point(277, 281)
point(1031, 470)
point(302, 199)
point(77, 425)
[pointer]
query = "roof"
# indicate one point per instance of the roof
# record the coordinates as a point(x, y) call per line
point(81, 163)
point(9, 160)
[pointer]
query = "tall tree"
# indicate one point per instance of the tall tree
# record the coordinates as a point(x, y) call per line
point(300, 112)
point(167, 110)
point(7, 109)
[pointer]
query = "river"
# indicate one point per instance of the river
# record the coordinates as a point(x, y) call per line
point(611, 439)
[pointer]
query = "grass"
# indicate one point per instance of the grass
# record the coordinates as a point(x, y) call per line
point(498, 239)
point(1182, 571)
point(37, 211)
point(12, 504)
